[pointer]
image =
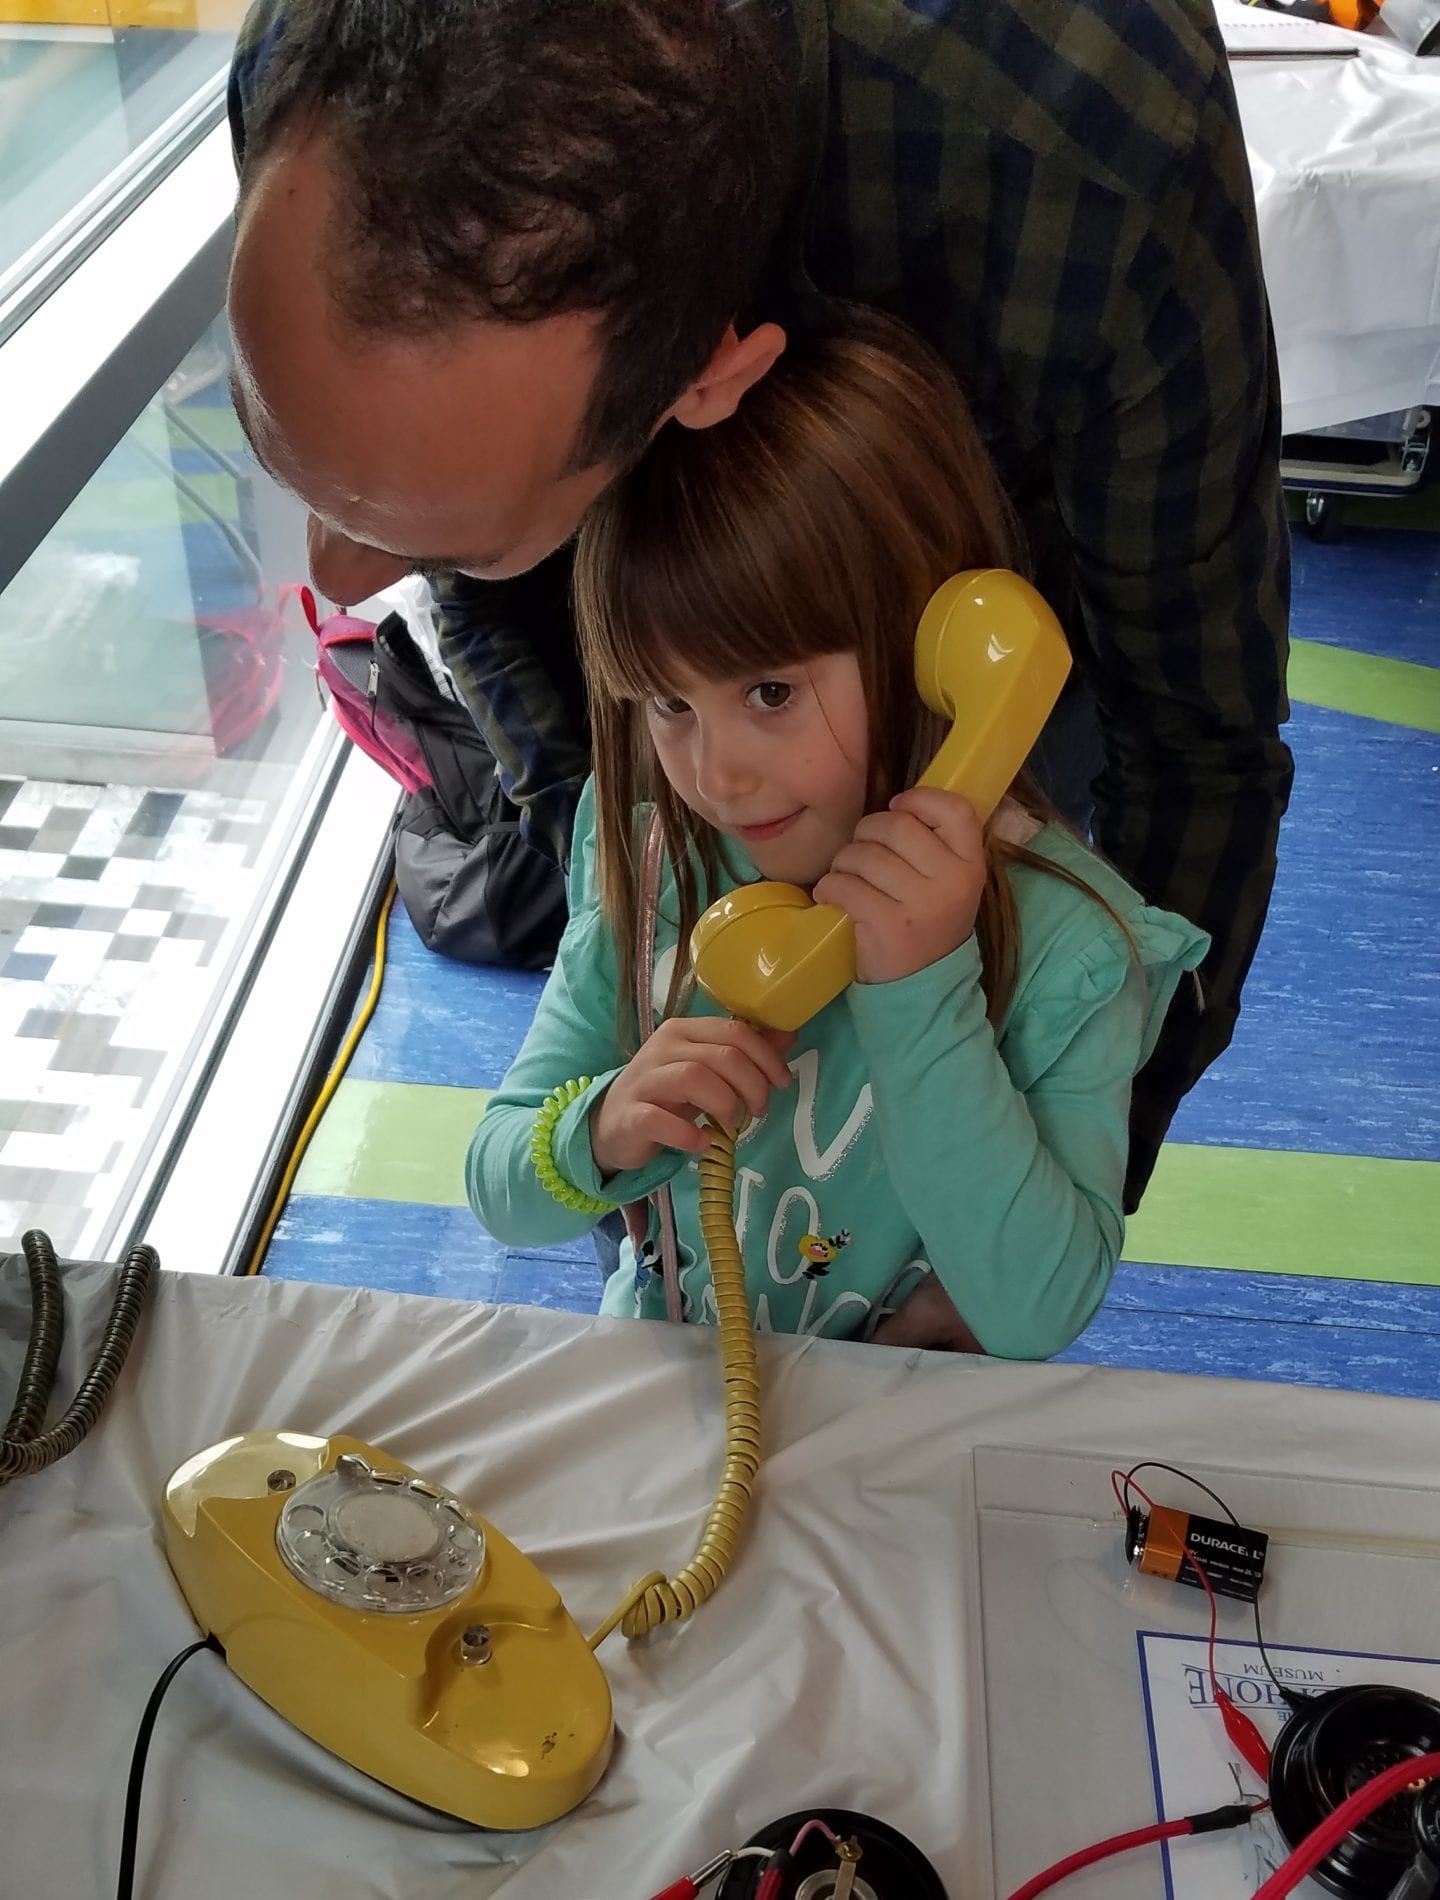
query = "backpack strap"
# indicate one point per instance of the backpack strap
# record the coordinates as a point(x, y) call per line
point(347, 669)
point(637, 1214)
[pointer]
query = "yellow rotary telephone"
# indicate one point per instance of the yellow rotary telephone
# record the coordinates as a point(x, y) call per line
point(381, 1615)
point(391, 1624)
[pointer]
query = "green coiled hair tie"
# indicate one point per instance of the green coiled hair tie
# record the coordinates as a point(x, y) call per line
point(542, 1136)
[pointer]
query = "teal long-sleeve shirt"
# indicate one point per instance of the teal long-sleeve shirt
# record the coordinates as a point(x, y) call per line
point(913, 1137)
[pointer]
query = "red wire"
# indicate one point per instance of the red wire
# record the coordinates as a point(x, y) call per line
point(1305, 1859)
point(1088, 1856)
point(1316, 1845)
point(1363, 1803)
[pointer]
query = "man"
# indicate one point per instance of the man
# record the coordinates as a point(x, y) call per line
point(485, 250)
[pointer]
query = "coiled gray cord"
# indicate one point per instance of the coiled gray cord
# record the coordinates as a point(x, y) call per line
point(24, 1447)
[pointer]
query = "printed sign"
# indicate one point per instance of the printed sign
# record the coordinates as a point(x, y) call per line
point(1196, 1767)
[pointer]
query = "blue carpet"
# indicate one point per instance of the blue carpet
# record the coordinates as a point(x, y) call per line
point(443, 1022)
point(1338, 1044)
point(1376, 591)
point(404, 1248)
point(1256, 1326)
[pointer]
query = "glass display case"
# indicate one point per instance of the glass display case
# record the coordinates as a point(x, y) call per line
point(165, 760)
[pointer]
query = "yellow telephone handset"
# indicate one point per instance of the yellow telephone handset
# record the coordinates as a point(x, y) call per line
point(989, 655)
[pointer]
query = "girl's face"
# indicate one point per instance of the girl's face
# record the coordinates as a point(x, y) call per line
point(776, 761)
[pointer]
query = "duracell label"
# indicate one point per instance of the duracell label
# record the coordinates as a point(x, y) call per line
point(1232, 1557)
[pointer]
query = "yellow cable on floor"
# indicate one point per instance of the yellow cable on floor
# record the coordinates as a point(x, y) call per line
point(657, 1599)
point(332, 1082)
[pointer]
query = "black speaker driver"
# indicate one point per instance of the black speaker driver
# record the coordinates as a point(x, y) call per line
point(1427, 1824)
point(1329, 1750)
point(890, 1867)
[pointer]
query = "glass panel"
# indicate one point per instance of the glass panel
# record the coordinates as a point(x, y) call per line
point(83, 85)
point(158, 742)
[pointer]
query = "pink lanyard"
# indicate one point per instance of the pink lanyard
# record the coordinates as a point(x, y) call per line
point(637, 1214)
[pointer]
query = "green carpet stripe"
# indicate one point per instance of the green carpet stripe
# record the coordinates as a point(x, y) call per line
point(394, 1141)
point(1344, 681)
point(1252, 1209)
point(1343, 1217)
point(147, 502)
point(218, 427)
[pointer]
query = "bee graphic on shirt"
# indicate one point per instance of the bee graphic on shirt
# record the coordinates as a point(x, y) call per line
point(819, 1254)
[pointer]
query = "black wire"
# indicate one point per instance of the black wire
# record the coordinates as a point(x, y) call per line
point(47, 1334)
point(125, 1887)
point(1295, 1698)
point(1154, 1464)
point(36, 1450)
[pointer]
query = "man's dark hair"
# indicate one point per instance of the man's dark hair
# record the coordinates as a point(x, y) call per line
point(518, 159)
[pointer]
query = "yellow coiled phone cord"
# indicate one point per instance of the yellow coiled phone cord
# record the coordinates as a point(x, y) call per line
point(658, 1599)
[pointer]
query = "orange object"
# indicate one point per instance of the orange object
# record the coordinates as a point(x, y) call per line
point(186, 16)
point(1356, 14)
point(1198, 1551)
point(1164, 1550)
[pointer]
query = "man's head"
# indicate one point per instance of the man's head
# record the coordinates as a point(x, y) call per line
point(485, 247)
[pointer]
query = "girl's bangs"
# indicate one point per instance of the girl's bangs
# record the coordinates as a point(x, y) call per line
point(666, 619)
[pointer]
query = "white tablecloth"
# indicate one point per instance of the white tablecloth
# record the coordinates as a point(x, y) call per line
point(1345, 156)
point(837, 1666)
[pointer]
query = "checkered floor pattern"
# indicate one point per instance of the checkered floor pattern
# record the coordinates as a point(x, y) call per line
point(118, 907)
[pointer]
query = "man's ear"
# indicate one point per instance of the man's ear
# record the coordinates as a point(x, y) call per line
point(732, 372)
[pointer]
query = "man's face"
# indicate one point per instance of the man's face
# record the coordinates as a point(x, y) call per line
point(442, 453)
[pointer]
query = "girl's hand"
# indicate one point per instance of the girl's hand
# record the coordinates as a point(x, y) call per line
point(911, 879)
point(691, 1066)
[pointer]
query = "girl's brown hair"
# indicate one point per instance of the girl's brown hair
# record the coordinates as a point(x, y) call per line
point(820, 519)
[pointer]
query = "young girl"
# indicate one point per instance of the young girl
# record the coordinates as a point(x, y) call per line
point(952, 1129)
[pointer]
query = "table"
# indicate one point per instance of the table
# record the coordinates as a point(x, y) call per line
point(1344, 155)
point(837, 1666)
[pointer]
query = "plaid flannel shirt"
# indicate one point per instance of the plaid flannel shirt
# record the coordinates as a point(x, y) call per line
point(1056, 194)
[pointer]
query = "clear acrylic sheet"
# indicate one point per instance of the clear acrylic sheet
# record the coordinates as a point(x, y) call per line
point(1092, 1709)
